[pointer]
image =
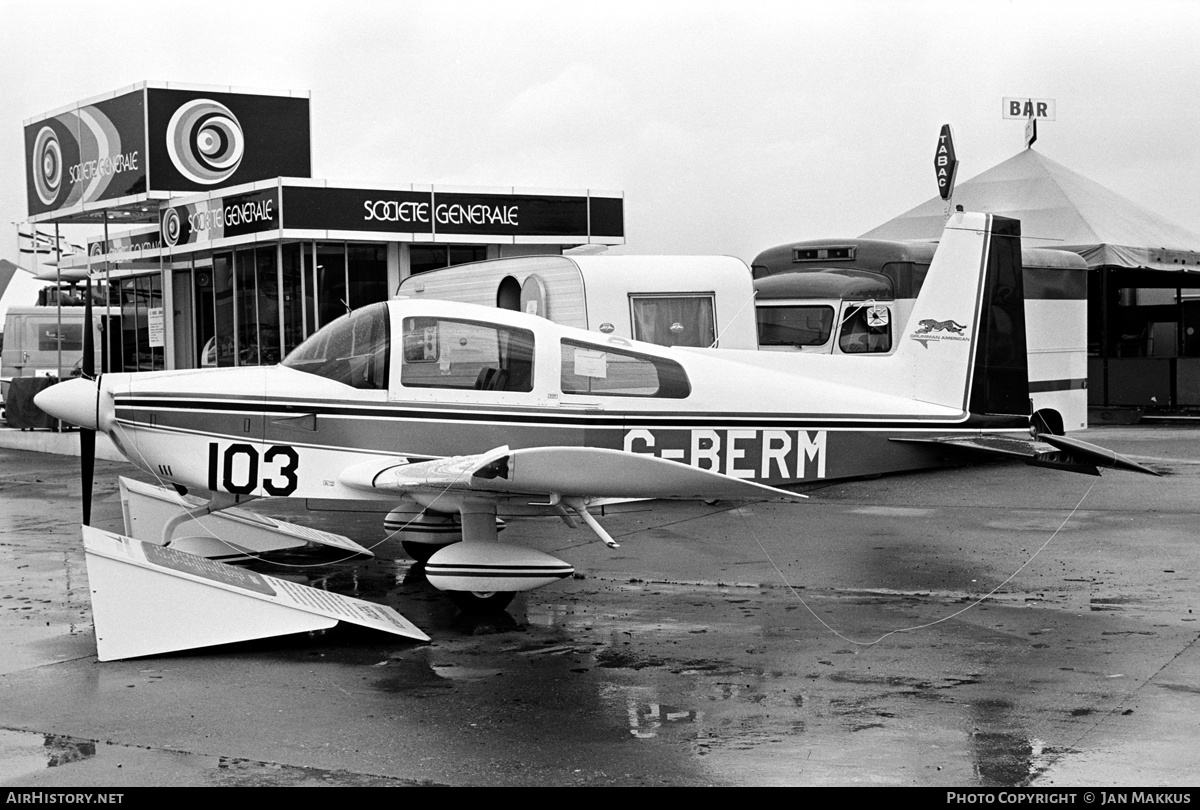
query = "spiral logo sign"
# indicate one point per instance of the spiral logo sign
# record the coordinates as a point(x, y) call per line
point(47, 165)
point(172, 227)
point(205, 141)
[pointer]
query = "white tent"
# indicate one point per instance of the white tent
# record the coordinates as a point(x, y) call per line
point(1059, 208)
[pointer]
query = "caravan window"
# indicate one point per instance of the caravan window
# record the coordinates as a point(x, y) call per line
point(445, 353)
point(674, 320)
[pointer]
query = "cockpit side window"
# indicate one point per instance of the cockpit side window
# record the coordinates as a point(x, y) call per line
point(445, 353)
point(605, 370)
point(353, 350)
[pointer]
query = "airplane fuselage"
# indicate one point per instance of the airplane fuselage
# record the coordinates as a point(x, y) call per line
point(417, 379)
point(284, 431)
point(263, 448)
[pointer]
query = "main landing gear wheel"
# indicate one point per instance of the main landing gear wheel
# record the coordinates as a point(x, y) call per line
point(481, 601)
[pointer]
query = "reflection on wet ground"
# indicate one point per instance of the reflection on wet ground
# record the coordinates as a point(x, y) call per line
point(24, 754)
point(681, 658)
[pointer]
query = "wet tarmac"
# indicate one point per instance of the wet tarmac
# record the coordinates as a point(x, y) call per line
point(836, 642)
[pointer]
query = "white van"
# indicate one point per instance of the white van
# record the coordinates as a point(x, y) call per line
point(33, 337)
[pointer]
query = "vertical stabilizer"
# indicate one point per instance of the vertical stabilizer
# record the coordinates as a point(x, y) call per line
point(964, 345)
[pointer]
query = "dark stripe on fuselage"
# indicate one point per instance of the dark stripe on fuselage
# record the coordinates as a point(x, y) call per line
point(772, 453)
point(497, 571)
point(526, 415)
point(744, 445)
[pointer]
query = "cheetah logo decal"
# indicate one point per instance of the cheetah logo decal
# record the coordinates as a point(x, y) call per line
point(930, 325)
point(929, 330)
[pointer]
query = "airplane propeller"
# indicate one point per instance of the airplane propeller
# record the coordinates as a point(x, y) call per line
point(87, 437)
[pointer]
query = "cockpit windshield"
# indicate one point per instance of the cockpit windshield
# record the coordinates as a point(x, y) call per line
point(353, 350)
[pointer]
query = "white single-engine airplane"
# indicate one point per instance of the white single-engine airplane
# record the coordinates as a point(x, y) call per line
point(458, 413)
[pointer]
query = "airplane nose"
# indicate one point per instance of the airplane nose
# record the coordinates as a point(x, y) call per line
point(72, 401)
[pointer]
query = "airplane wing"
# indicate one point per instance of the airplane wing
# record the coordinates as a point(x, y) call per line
point(569, 477)
point(574, 472)
point(1047, 450)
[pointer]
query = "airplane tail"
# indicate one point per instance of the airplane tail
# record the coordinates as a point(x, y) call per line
point(964, 344)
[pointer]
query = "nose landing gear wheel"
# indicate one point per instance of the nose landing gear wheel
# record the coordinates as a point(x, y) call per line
point(481, 601)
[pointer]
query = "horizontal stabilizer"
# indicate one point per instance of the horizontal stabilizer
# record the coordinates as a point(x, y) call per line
point(1055, 452)
point(149, 600)
point(1100, 456)
point(568, 471)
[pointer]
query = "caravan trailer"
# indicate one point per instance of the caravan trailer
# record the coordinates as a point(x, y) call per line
point(700, 301)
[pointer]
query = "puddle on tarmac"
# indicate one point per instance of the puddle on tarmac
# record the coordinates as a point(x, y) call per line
point(1009, 760)
point(892, 511)
point(23, 753)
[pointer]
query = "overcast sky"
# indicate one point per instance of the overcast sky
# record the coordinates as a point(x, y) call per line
point(729, 126)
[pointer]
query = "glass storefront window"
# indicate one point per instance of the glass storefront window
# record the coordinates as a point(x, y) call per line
point(267, 290)
point(292, 297)
point(222, 351)
point(131, 349)
point(253, 305)
point(206, 330)
point(330, 273)
point(257, 300)
point(423, 258)
point(366, 267)
point(246, 308)
point(129, 326)
point(153, 300)
point(465, 254)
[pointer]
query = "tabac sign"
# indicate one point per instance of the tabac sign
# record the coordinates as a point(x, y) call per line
point(945, 164)
point(160, 138)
